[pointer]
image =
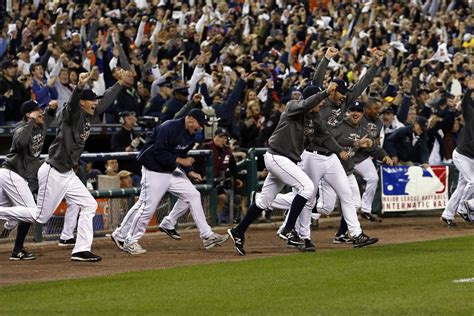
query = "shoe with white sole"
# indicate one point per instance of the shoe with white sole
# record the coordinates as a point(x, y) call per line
point(214, 240)
point(134, 249)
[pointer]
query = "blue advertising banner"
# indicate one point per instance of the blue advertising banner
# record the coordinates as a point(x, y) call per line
point(414, 188)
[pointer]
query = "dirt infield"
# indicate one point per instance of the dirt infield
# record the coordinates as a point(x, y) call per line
point(53, 263)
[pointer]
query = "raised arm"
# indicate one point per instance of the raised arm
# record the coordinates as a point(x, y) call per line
point(318, 78)
point(111, 93)
point(364, 82)
point(298, 107)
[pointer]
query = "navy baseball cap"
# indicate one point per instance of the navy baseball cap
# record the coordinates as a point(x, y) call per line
point(127, 113)
point(221, 131)
point(423, 122)
point(200, 116)
point(357, 106)
point(88, 94)
point(311, 90)
point(341, 86)
point(388, 110)
point(182, 90)
point(29, 106)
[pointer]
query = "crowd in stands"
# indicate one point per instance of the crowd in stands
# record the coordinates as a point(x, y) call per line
point(242, 60)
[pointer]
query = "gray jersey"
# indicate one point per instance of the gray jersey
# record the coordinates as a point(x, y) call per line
point(374, 128)
point(466, 140)
point(74, 129)
point(346, 135)
point(27, 143)
point(288, 138)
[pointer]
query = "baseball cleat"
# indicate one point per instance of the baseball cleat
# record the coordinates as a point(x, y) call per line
point(85, 256)
point(22, 255)
point(370, 217)
point(308, 246)
point(363, 240)
point(134, 249)
point(214, 240)
point(292, 237)
point(342, 239)
point(238, 240)
point(464, 216)
point(117, 242)
point(449, 222)
point(470, 211)
point(67, 243)
point(170, 232)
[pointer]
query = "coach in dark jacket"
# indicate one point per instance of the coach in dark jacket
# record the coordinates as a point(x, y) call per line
point(409, 143)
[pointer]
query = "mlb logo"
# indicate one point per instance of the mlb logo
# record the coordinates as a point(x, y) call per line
point(414, 180)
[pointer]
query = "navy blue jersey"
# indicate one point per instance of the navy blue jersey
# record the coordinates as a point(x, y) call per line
point(169, 141)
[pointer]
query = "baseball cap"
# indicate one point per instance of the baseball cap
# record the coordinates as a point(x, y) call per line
point(127, 113)
point(221, 131)
point(388, 110)
point(29, 106)
point(88, 94)
point(357, 106)
point(182, 90)
point(124, 173)
point(341, 86)
point(199, 115)
point(7, 64)
point(310, 90)
point(423, 122)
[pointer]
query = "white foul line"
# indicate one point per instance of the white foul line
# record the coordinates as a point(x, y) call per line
point(471, 280)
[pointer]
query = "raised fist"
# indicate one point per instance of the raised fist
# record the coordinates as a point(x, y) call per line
point(331, 52)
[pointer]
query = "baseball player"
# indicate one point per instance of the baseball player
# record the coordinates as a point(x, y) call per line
point(56, 176)
point(354, 138)
point(463, 158)
point(364, 165)
point(18, 173)
point(166, 169)
point(319, 159)
point(284, 152)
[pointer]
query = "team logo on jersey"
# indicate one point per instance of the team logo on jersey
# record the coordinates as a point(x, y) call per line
point(37, 145)
point(333, 118)
point(181, 147)
point(309, 128)
point(372, 129)
point(86, 132)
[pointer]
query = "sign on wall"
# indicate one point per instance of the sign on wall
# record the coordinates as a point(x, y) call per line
point(414, 188)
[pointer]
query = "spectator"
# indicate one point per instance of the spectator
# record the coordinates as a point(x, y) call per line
point(409, 144)
point(126, 180)
point(12, 93)
point(126, 139)
point(43, 90)
point(111, 167)
point(390, 122)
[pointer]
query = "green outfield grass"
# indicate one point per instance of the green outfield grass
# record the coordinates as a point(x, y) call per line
point(415, 279)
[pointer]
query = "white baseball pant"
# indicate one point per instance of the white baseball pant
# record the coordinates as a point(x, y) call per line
point(282, 171)
point(54, 186)
point(330, 168)
point(14, 191)
point(179, 209)
point(366, 169)
point(70, 221)
point(327, 196)
point(465, 187)
point(154, 185)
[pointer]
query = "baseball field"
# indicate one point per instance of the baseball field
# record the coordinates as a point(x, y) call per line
point(417, 278)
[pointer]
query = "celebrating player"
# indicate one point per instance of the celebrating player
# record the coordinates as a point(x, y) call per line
point(463, 158)
point(56, 176)
point(18, 175)
point(166, 169)
point(284, 150)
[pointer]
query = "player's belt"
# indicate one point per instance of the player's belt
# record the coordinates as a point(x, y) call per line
point(322, 153)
